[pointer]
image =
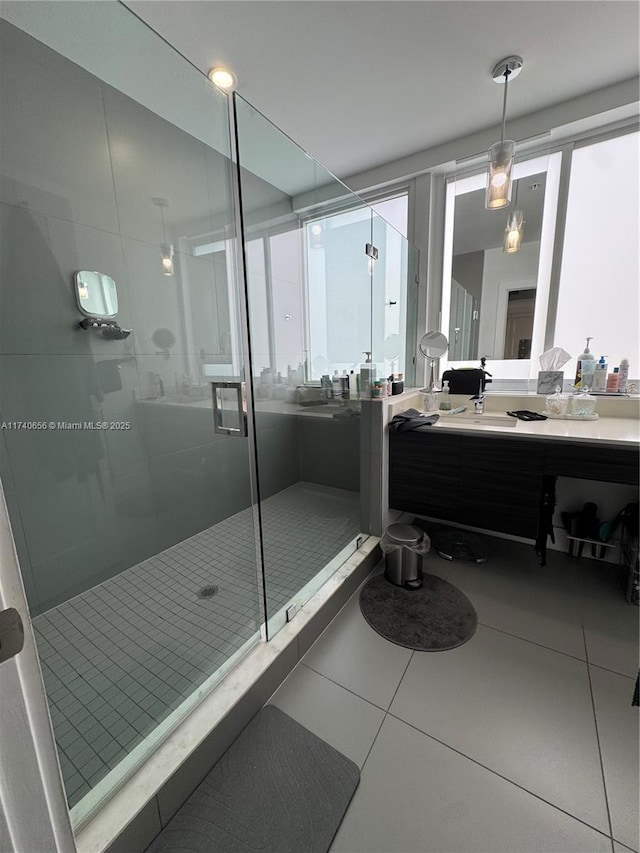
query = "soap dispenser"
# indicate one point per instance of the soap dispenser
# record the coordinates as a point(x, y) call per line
point(587, 358)
point(367, 376)
point(445, 399)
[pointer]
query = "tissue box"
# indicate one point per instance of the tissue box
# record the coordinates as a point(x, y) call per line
point(548, 381)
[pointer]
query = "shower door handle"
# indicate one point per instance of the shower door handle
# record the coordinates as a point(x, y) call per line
point(239, 408)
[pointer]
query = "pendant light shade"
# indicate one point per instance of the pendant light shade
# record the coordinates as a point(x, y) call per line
point(499, 180)
point(166, 249)
point(167, 258)
point(501, 154)
point(513, 232)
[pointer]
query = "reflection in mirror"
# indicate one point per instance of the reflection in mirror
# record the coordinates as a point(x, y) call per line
point(96, 294)
point(493, 292)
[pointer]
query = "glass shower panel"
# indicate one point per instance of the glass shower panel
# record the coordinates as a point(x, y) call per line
point(394, 293)
point(131, 505)
point(305, 236)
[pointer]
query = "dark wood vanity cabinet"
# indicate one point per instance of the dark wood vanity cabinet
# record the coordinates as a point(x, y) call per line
point(592, 462)
point(500, 484)
point(492, 482)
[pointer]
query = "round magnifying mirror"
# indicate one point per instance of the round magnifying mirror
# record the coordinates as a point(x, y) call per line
point(433, 345)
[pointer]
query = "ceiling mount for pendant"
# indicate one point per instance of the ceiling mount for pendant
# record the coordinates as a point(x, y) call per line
point(512, 64)
point(501, 154)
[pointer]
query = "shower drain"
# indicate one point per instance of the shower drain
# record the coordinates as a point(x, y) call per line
point(208, 591)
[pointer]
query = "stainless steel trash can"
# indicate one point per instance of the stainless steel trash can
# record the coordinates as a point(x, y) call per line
point(403, 566)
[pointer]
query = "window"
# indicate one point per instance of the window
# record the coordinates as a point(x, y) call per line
point(598, 292)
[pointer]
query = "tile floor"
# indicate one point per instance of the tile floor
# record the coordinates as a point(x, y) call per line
point(524, 739)
point(119, 658)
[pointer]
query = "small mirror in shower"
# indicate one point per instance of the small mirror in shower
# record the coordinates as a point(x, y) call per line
point(96, 294)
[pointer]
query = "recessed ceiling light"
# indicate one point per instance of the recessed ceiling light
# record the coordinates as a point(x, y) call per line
point(223, 78)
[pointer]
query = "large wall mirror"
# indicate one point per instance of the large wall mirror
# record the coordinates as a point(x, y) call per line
point(494, 302)
point(493, 293)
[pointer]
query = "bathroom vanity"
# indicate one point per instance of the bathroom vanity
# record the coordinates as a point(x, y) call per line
point(492, 477)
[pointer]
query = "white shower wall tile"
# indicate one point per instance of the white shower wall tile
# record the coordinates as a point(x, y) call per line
point(118, 658)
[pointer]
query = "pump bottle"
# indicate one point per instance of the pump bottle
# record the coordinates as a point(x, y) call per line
point(445, 399)
point(587, 356)
point(367, 376)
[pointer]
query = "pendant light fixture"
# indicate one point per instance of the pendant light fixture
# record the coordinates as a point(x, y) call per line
point(498, 193)
point(514, 230)
point(166, 249)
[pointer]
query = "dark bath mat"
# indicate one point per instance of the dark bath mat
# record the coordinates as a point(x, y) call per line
point(278, 789)
point(434, 618)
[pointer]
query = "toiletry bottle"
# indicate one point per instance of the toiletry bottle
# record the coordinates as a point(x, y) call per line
point(588, 369)
point(587, 355)
point(325, 387)
point(353, 386)
point(367, 374)
point(623, 382)
point(445, 399)
point(336, 386)
point(344, 382)
point(600, 376)
point(613, 380)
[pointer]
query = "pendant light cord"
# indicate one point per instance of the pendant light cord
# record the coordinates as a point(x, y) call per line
point(164, 233)
point(504, 102)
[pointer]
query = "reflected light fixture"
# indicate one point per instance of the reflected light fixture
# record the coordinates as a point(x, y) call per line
point(166, 249)
point(513, 232)
point(223, 78)
point(514, 229)
point(498, 193)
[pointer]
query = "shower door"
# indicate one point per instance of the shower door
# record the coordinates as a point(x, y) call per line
point(309, 297)
point(123, 457)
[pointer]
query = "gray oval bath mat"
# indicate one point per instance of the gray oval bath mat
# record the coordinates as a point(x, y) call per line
point(278, 789)
point(434, 618)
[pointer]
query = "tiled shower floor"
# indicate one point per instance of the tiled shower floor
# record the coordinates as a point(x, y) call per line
point(120, 657)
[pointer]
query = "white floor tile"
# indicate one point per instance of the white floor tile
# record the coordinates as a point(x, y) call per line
point(350, 653)
point(340, 718)
point(519, 709)
point(513, 593)
point(620, 848)
point(418, 796)
point(611, 625)
point(619, 742)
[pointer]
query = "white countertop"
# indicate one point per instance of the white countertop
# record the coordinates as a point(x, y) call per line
point(337, 411)
point(609, 428)
point(614, 431)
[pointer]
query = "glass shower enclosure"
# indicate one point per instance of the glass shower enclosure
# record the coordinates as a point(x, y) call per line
point(176, 476)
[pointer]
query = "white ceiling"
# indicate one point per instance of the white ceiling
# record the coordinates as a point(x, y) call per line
point(364, 82)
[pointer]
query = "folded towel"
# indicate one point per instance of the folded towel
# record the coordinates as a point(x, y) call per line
point(411, 419)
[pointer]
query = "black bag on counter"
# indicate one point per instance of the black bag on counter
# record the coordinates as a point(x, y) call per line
point(466, 381)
